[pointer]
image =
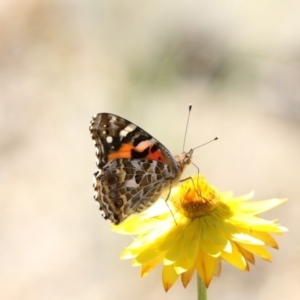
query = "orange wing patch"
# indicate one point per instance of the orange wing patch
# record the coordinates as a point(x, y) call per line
point(156, 155)
point(142, 150)
point(123, 152)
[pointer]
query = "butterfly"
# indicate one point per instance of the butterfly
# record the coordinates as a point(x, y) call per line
point(133, 168)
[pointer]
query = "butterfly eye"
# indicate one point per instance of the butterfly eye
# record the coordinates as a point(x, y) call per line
point(187, 160)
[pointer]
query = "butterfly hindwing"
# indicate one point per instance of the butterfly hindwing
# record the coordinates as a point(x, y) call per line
point(129, 186)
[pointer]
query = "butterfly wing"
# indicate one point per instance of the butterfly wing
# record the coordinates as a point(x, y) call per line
point(128, 186)
point(134, 169)
point(115, 138)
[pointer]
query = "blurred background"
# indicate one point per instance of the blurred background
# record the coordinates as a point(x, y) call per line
point(62, 61)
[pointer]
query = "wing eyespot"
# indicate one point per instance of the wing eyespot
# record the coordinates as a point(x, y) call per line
point(112, 187)
point(111, 180)
point(118, 203)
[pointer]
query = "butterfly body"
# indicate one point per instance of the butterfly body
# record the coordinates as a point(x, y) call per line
point(134, 169)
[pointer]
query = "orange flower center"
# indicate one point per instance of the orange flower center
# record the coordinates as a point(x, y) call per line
point(196, 199)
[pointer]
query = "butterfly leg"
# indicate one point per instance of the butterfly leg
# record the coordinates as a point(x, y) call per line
point(169, 193)
point(198, 172)
point(196, 190)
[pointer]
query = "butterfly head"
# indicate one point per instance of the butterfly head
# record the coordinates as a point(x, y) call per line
point(187, 157)
point(184, 159)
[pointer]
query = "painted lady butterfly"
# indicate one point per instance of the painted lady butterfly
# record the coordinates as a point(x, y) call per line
point(134, 169)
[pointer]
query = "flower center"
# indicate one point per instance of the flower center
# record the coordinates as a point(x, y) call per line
point(196, 198)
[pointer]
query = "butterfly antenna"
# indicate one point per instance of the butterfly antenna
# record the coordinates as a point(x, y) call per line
point(216, 138)
point(187, 125)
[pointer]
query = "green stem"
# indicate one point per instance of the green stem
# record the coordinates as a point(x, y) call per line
point(201, 289)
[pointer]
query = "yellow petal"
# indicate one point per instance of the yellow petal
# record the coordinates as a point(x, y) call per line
point(191, 238)
point(258, 207)
point(173, 253)
point(171, 238)
point(247, 254)
point(181, 264)
point(235, 257)
point(148, 267)
point(258, 250)
point(218, 268)
point(240, 199)
point(192, 248)
point(263, 236)
point(169, 277)
point(246, 239)
point(256, 223)
point(187, 276)
point(206, 266)
point(213, 235)
point(148, 254)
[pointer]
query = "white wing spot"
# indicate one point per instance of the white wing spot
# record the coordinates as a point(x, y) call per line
point(123, 133)
point(109, 139)
point(104, 132)
point(130, 127)
point(131, 183)
point(127, 129)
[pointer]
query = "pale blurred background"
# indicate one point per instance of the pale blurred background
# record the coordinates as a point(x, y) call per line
point(62, 61)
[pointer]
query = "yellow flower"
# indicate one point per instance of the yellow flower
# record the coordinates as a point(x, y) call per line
point(205, 227)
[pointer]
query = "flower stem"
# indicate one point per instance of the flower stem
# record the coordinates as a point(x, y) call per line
point(201, 289)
